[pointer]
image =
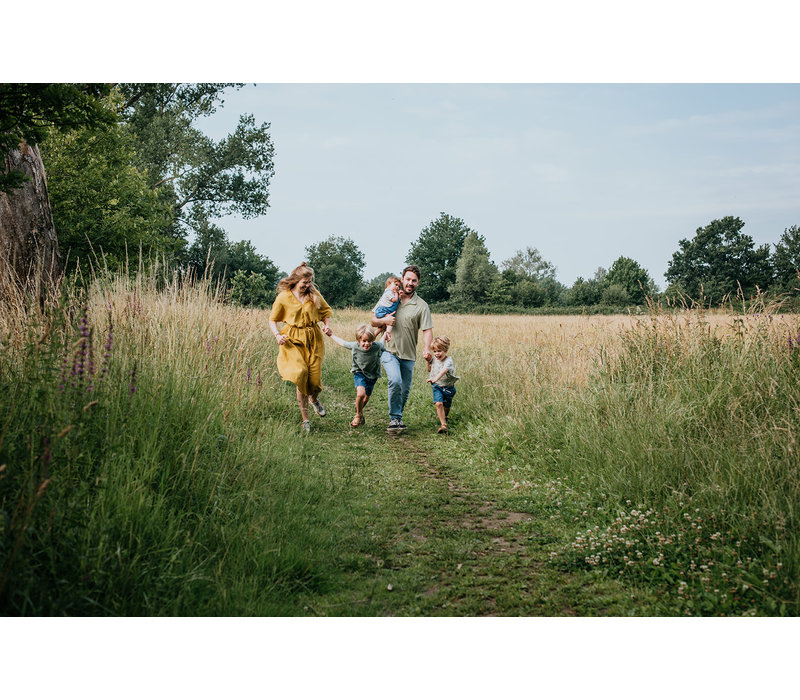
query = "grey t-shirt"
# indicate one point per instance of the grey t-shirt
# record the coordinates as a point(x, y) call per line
point(367, 363)
point(449, 378)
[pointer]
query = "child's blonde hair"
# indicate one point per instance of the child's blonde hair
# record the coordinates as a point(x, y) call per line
point(440, 342)
point(365, 331)
point(390, 280)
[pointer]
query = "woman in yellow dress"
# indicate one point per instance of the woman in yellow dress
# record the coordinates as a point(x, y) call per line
point(301, 307)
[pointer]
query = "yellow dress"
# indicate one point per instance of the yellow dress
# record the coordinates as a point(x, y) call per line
point(300, 357)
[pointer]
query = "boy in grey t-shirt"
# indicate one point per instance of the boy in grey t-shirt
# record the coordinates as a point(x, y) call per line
point(442, 378)
point(366, 366)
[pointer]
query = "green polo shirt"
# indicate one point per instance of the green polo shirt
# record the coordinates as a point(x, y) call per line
point(367, 363)
point(413, 316)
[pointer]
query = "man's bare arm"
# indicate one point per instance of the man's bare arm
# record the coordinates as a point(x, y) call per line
point(387, 320)
point(427, 336)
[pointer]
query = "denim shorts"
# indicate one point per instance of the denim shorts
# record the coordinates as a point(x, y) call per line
point(361, 380)
point(381, 311)
point(443, 394)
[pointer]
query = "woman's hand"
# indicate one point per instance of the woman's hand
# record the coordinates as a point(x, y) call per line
point(327, 331)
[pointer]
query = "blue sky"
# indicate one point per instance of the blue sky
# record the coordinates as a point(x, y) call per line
point(583, 172)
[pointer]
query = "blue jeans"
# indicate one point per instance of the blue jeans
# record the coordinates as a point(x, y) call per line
point(399, 374)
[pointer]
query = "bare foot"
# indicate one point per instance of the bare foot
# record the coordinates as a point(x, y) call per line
point(358, 420)
point(442, 429)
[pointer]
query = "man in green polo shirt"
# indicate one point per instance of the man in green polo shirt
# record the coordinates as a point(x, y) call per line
point(400, 353)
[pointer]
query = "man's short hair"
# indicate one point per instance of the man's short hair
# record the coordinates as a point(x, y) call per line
point(411, 268)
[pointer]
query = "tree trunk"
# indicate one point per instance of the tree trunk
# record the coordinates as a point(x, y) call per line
point(29, 255)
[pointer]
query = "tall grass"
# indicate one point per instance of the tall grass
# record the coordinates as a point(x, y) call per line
point(676, 454)
point(150, 463)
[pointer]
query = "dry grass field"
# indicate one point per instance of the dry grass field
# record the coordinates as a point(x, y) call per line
point(151, 462)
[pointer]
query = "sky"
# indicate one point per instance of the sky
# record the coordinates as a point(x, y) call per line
point(583, 172)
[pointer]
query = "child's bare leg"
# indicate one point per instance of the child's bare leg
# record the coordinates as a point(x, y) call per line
point(365, 402)
point(441, 411)
point(361, 401)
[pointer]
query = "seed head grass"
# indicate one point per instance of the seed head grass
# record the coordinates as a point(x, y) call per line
point(152, 462)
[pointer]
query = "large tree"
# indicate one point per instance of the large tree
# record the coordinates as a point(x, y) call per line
point(632, 277)
point(476, 274)
point(102, 203)
point(338, 264)
point(200, 178)
point(529, 264)
point(28, 243)
point(786, 259)
point(719, 259)
point(436, 253)
point(528, 279)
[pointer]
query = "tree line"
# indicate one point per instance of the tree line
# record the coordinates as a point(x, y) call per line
point(720, 262)
point(128, 168)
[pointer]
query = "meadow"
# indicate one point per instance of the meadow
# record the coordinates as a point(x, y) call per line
point(152, 463)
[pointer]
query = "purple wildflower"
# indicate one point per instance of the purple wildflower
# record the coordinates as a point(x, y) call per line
point(79, 363)
point(132, 385)
point(248, 375)
point(90, 362)
point(107, 348)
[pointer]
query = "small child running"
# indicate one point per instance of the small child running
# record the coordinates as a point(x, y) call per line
point(442, 379)
point(388, 302)
point(366, 366)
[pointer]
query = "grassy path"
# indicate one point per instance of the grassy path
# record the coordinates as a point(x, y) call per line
point(430, 533)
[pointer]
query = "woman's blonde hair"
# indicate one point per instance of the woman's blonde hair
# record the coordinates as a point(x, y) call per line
point(301, 272)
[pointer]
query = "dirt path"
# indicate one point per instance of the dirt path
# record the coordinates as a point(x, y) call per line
point(451, 551)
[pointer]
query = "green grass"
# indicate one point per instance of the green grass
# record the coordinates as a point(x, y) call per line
point(665, 484)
